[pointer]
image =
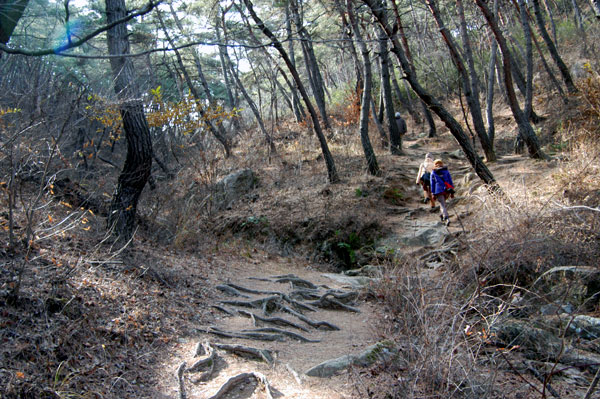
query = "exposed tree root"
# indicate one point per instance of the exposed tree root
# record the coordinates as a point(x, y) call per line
point(321, 325)
point(251, 291)
point(296, 281)
point(206, 362)
point(248, 352)
point(305, 293)
point(294, 374)
point(180, 371)
point(325, 302)
point(240, 379)
point(268, 304)
point(272, 320)
point(229, 290)
point(224, 310)
point(282, 332)
point(245, 335)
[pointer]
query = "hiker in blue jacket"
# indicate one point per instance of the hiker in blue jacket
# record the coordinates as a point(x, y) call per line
point(441, 187)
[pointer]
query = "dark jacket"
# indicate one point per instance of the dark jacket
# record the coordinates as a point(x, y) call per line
point(401, 123)
point(439, 178)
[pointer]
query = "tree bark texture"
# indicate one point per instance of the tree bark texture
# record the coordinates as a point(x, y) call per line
point(528, 108)
point(298, 111)
point(329, 162)
point(312, 66)
point(386, 89)
point(138, 162)
point(482, 171)
point(562, 67)
point(426, 110)
point(525, 129)
point(366, 95)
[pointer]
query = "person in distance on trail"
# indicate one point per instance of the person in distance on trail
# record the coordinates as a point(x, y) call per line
point(424, 179)
point(441, 187)
point(401, 123)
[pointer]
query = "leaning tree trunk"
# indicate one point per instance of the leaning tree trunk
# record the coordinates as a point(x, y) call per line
point(562, 67)
point(329, 162)
point(525, 130)
point(138, 162)
point(219, 134)
point(298, 112)
point(312, 66)
point(472, 97)
point(366, 95)
point(426, 110)
point(482, 171)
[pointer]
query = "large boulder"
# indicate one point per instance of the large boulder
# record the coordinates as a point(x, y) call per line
point(232, 187)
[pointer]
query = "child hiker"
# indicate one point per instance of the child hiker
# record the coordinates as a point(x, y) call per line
point(424, 179)
point(442, 187)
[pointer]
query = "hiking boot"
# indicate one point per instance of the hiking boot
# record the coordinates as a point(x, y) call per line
point(447, 222)
point(442, 218)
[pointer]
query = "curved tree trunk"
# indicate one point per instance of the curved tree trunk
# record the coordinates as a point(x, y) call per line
point(366, 97)
point(426, 110)
point(525, 130)
point(10, 13)
point(482, 171)
point(564, 70)
point(471, 96)
point(138, 162)
point(329, 162)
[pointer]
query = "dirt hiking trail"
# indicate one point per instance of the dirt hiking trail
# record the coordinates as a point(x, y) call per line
point(274, 318)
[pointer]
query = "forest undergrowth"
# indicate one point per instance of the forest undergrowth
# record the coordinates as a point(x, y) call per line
point(93, 320)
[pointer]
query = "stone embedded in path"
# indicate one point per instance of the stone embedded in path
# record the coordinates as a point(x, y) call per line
point(370, 355)
point(356, 282)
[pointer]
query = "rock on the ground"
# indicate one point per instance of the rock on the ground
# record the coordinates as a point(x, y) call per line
point(423, 234)
point(355, 282)
point(381, 350)
point(232, 187)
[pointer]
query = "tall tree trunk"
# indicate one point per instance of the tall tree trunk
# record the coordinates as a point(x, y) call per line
point(329, 162)
point(528, 108)
point(366, 95)
point(564, 70)
point(426, 110)
point(471, 96)
point(405, 100)
point(312, 66)
point(251, 103)
point(596, 7)
point(223, 58)
point(298, 112)
point(525, 129)
point(138, 162)
point(482, 171)
point(218, 134)
point(490, 91)
point(217, 130)
point(386, 89)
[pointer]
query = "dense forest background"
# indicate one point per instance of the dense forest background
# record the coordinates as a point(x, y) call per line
point(119, 120)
